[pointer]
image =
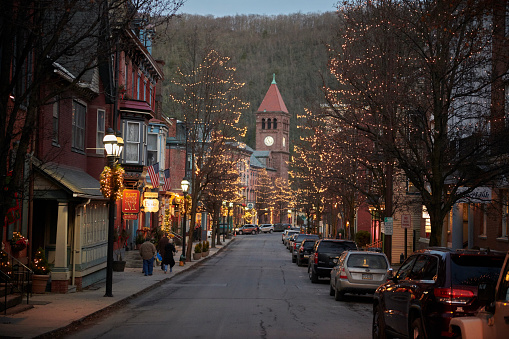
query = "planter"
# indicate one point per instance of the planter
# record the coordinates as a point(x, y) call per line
point(39, 283)
point(204, 254)
point(118, 266)
point(197, 256)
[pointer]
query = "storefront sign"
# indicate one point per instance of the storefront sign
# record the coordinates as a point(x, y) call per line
point(151, 205)
point(150, 195)
point(131, 201)
point(130, 216)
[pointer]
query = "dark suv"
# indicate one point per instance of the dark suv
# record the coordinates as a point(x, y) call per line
point(430, 288)
point(325, 252)
point(297, 242)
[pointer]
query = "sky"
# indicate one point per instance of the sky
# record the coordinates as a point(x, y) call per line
point(219, 8)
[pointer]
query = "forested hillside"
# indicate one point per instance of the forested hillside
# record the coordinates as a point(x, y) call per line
point(291, 46)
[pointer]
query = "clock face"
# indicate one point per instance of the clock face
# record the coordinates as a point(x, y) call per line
point(268, 140)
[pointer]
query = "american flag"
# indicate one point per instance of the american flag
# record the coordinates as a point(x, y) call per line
point(166, 185)
point(153, 172)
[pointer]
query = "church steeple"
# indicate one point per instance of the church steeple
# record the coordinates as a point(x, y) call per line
point(273, 102)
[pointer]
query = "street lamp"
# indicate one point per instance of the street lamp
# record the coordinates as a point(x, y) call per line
point(113, 145)
point(184, 184)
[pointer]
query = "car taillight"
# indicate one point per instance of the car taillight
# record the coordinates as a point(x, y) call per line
point(342, 274)
point(316, 258)
point(294, 245)
point(453, 295)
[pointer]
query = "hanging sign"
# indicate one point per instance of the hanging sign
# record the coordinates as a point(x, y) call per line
point(130, 201)
point(130, 216)
point(151, 205)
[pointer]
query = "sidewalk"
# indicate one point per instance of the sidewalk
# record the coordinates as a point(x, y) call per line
point(54, 313)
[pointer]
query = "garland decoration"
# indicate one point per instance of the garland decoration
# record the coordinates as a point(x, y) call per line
point(112, 181)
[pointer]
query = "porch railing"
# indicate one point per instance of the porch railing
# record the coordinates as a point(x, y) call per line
point(15, 277)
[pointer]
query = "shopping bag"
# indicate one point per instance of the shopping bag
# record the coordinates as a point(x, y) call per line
point(158, 257)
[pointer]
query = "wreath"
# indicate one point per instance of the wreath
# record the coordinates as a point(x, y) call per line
point(112, 181)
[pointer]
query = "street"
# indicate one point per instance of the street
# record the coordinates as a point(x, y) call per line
point(250, 290)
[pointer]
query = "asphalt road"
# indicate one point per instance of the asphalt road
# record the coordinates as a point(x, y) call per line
point(250, 290)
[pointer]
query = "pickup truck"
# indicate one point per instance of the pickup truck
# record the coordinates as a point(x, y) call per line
point(492, 321)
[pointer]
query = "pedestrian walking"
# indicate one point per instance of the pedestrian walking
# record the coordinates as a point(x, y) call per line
point(169, 251)
point(147, 252)
point(161, 246)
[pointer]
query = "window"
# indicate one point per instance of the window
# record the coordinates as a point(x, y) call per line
point(268, 123)
point(133, 81)
point(263, 123)
point(150, 97)
point(78, 126)
point(56, 115)
point(100, 132)
point(138, 79)
point(145, 90)
point(151, 149)
point(425, 268)
point(132, 143)
point(275, 123)
point(405, 269)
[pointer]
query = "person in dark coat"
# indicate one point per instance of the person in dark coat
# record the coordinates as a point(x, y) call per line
point(169, 251)
point(160, 247)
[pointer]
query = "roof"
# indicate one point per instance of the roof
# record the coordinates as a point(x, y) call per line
point(273, 102)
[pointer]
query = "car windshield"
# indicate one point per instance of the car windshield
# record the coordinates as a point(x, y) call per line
point(301, 237)
point(472, 270)
point(308, 244)
point(364, 260)
point(337, 247)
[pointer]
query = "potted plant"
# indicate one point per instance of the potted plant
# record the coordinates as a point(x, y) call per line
point(197, 251)
point(41, 270)
point(122, 237)
point(205, 248)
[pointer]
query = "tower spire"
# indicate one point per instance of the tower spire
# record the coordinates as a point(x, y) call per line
point(273, 78)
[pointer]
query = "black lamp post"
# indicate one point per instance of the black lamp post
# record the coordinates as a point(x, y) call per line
point(113, 146)
point(185, 186)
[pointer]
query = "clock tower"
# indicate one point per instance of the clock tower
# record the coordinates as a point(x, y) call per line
point(273, 129)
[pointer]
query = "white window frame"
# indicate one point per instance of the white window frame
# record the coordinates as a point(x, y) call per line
point(156, 149)
point(101, 123)
point(132, 142)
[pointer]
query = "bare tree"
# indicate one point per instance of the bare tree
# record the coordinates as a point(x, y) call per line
point(210, 100)
point(47, 48)
point(418, 77)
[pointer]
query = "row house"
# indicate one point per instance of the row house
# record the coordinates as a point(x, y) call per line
point(66, 213)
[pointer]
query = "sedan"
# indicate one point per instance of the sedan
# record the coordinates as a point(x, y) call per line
point(359, 272)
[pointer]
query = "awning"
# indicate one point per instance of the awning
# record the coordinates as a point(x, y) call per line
point(52, 178)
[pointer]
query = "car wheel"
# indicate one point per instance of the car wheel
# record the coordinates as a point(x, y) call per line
point(416, 331)
point(378, 327)
point(240, 232)
point(298, 261)
point(331, 290)
point(254, 232)
point(312, 276)
point(270, 231)
point(294, 260)
point(338, 295)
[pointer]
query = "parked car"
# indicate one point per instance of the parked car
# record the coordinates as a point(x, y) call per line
point(305, 249)
point(492, 320)
point(324, 253)
point(289, 243)
point(248, 229)
point(266, 228)
point(281, 227)
point(359, 272)
point(431, 287)
point(298, 241)
point(286, 237)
